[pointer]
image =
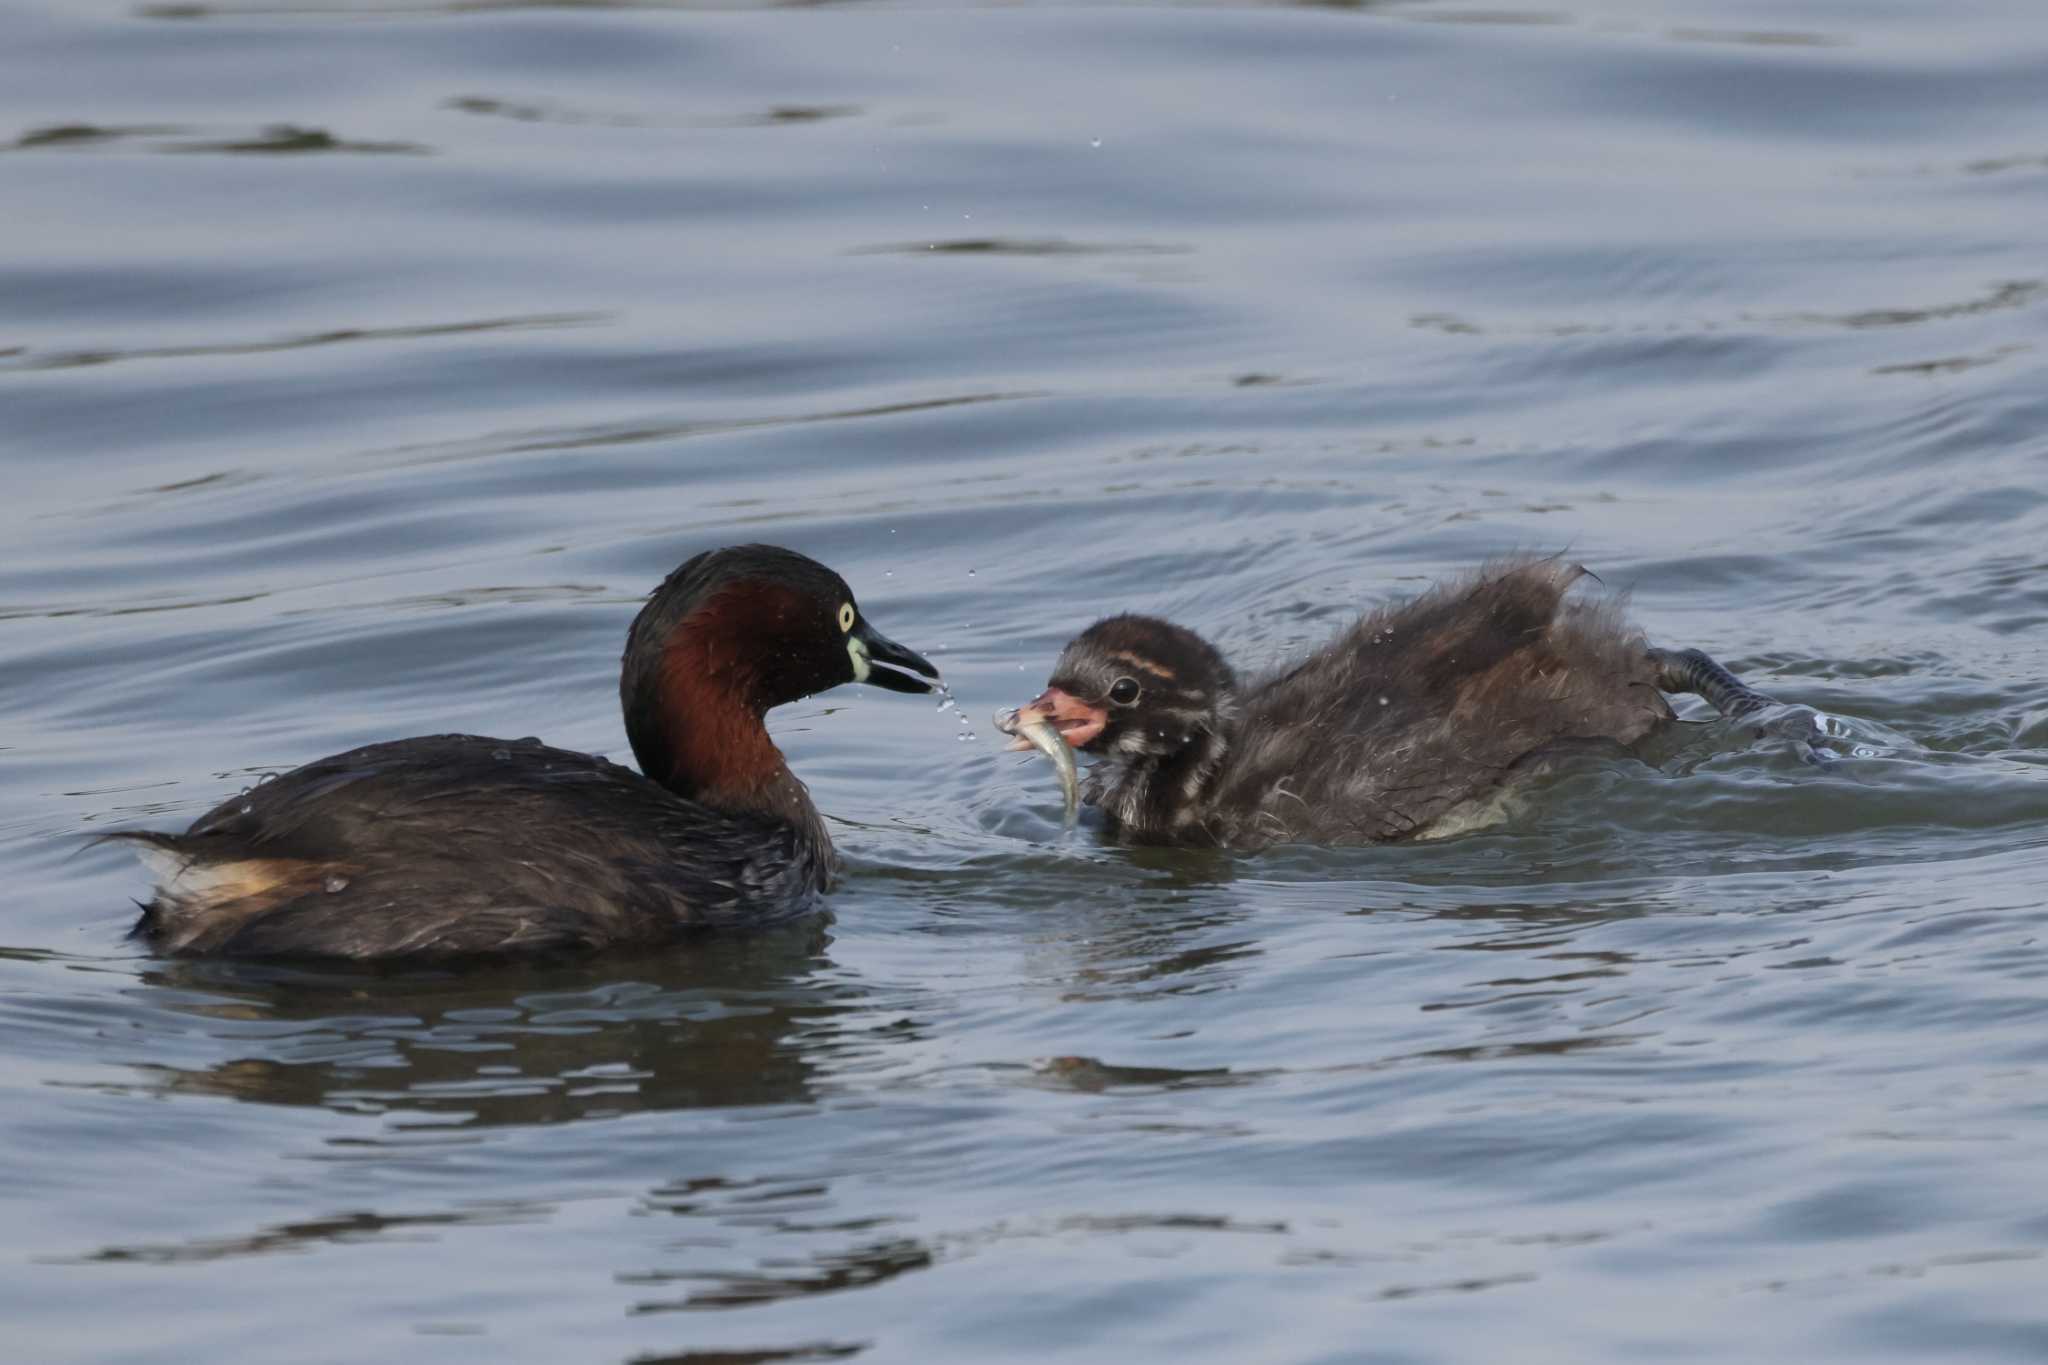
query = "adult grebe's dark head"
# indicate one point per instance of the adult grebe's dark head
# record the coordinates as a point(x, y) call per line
point(730, 634)
point(1135, 687)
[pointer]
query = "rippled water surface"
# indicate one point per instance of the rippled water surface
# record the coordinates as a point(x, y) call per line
point(361, 365)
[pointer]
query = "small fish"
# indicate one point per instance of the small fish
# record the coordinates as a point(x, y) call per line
point(1042, 736)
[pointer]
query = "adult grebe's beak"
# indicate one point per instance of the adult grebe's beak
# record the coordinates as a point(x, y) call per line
point(880, 660)
point(1077, 721)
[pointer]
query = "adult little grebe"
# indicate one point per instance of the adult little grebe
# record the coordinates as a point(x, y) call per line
point(457, 845)
point(1401, 727)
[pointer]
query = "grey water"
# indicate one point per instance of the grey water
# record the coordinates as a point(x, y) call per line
point(362, 365)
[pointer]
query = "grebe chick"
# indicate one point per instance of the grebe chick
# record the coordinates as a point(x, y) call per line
point(1406, 725)
point(457, 846)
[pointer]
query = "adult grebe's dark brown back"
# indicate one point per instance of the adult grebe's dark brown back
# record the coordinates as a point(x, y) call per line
point(1404, 726)
point(458, 845)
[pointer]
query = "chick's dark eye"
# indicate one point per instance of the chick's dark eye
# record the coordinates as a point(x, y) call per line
point(1124, 691)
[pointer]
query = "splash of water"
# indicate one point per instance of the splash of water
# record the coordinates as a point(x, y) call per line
point(947, 702)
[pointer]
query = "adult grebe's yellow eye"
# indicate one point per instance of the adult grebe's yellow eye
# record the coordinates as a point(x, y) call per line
point(845, 617)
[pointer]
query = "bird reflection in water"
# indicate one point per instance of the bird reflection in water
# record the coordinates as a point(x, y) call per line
point(728, 1023)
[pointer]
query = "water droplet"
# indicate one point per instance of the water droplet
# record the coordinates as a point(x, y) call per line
point(247, 807)
point(335, 882)
point(1383, 701)
point(1094, 142)
point(970, 573)
point(889, 573)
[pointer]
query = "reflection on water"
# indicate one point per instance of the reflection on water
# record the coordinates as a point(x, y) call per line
point(345, 1229)
point(71, 135)
point(730, 1024)
point(69, 359)
point(1045, 246)
point(535, 112)
point(640, 432)
point(277, 138)
point(2009, 294)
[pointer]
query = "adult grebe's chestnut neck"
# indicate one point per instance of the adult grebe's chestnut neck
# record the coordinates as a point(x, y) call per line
point(727, 636)
point(702, 734)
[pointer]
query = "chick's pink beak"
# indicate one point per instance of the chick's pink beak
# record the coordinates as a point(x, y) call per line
point(1076, 720)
